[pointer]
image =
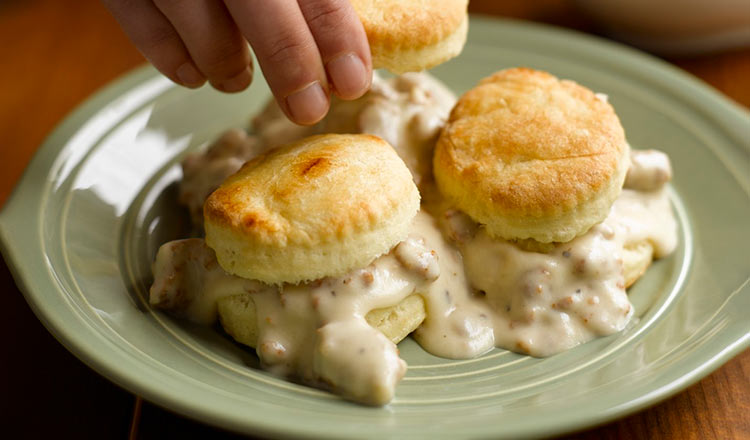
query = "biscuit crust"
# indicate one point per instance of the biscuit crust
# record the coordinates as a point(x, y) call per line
point(532, 156)
point(414, 35)
point(318, 207)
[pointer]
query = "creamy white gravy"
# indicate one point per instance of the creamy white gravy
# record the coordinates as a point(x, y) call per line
point(541, 303)
point(314, 331)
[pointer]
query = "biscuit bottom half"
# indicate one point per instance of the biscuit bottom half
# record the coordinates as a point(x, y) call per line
point(239, 318)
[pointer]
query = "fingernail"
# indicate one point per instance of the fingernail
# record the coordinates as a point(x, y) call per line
point(189, 76)
point(349, 76)
point(237, 83)
point(308, 105)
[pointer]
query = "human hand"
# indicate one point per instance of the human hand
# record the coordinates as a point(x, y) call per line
point(306, 48)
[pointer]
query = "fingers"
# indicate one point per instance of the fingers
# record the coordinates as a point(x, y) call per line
point(306, 48)
point(342, 43)
point(215, 44)
point(288, 55)
point(157, 40)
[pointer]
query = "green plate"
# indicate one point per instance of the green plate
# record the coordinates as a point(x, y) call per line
point(83, 225)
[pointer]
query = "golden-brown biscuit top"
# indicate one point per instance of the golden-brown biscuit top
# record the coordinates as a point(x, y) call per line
point(525, 148)
point(317, 207)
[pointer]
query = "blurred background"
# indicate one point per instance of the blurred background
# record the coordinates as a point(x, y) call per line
point(56, 53)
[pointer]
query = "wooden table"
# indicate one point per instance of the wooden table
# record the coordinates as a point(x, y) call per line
point(56, 53)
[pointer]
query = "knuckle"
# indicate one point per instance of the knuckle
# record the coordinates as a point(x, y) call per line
point(225, 60)
point(171, 5)
point(326, 15)
point(286, 50)
point(157, 37)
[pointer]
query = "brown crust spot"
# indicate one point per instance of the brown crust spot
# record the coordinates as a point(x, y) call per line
point(314, 166)
point(249, 220)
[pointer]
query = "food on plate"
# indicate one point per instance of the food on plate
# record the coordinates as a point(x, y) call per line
point(319, 255)
point(413, 35)
point(301, 234)
point(239, 318)
point(530, 156)
point(545, 298)
point(531, 169)
point(315, 208)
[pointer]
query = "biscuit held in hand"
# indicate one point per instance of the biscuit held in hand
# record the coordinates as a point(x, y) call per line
point(413, 35)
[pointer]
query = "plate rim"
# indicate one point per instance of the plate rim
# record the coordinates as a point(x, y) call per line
point(15, 207)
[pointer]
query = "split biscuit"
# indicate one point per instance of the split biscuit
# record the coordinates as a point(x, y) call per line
point(315, 208)
point(413, 35)
point(237, 314)
point(531, 156)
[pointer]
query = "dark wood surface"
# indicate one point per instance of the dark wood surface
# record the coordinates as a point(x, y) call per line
point(56, 53)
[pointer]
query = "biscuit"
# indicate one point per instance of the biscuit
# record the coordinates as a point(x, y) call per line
point(237, 314)
point(636, 258)
point(409, 36)
point(532, 156)
point(318, 207)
